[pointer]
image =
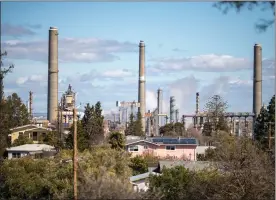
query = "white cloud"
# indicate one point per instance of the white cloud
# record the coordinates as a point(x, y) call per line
point(118, 73)
point(70, 49)
point(21, 80)
point(210, 62)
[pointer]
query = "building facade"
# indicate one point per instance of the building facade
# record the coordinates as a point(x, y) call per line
point(165, 148)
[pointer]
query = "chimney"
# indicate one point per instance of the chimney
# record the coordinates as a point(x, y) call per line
point(141, 85)
point(53, 75)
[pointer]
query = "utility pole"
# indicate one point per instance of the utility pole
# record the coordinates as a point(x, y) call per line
point(75, 164)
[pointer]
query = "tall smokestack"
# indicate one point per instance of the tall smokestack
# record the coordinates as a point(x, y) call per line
point(257, 80)
point(197, 102)
point(53, 75)
point(160, 105)
point(142, 82)
point(176, 115)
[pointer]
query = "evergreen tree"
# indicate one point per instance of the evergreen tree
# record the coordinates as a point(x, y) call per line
point(261, 126)
point(138, 126)
point(271, 114)
point(130, 127)
point(13, 113)
point(81, 138)
point(117, 140)
point(92, 123)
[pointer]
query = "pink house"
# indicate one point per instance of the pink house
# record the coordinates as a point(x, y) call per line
point(164, 147)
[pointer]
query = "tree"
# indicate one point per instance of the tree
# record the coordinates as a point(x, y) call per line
point(130, 127)
point(135, 126)
point(117, 141)
point(3, 72)
point(138, 126)
point(261, 126)
point(52, 139)
point(13, 113)
point(83, 140)
point(171, 129)
point(22, 140)
point(215, 109)
point(262, 26)
point(265, 119)
point(138, 165)
point(92, 123)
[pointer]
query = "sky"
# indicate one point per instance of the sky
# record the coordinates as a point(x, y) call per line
point(190, 47)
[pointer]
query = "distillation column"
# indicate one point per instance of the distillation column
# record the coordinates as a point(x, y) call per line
point(53, 75)
point(160, 106)
point(141, 84)
point(257, 81)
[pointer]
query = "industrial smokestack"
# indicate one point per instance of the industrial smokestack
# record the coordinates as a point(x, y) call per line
point(257, 80)
point(53, 75)
point(197, 102)
point(141, 85)
point(159, 105)
point(257, 83)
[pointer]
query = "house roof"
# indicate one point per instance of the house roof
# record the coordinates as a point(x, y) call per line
point(32, 147)
point(28, 126)
point(191, 165)
point(165, 141)
point(142, 176)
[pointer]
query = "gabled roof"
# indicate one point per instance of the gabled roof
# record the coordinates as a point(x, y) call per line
point(137, 141)
point(28, 126)
point(31, 147)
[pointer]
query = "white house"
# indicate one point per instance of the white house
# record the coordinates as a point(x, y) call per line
point(28, 149)
point(140, 182)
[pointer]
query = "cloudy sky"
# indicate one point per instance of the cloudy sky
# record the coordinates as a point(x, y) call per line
point(190, 47)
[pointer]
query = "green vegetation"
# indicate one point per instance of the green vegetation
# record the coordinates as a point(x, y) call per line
point(265, 119)
point(135, 126)
point(172, 129)
point(22, 140)
point(117, 141)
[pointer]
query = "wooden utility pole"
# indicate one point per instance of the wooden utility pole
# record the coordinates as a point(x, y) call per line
point(75, 151)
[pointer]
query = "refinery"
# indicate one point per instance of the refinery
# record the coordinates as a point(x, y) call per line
point(60, 112)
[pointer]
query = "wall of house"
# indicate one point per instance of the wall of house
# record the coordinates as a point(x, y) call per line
point(180, 152)
point(22, 154)
point(28, 133)
point(183, 152)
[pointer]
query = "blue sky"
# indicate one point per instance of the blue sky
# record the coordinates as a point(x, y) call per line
point(190, 47)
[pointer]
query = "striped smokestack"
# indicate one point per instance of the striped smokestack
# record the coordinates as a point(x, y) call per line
point(141, 84)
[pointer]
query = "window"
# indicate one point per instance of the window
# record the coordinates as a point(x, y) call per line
point(20, 133)
point(43, 135)
point(145, 146)
point(34, 136)
point(133, 148)
point(16, 155)
point(170, 148)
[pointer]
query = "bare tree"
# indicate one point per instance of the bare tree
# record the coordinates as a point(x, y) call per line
point(3, 72)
